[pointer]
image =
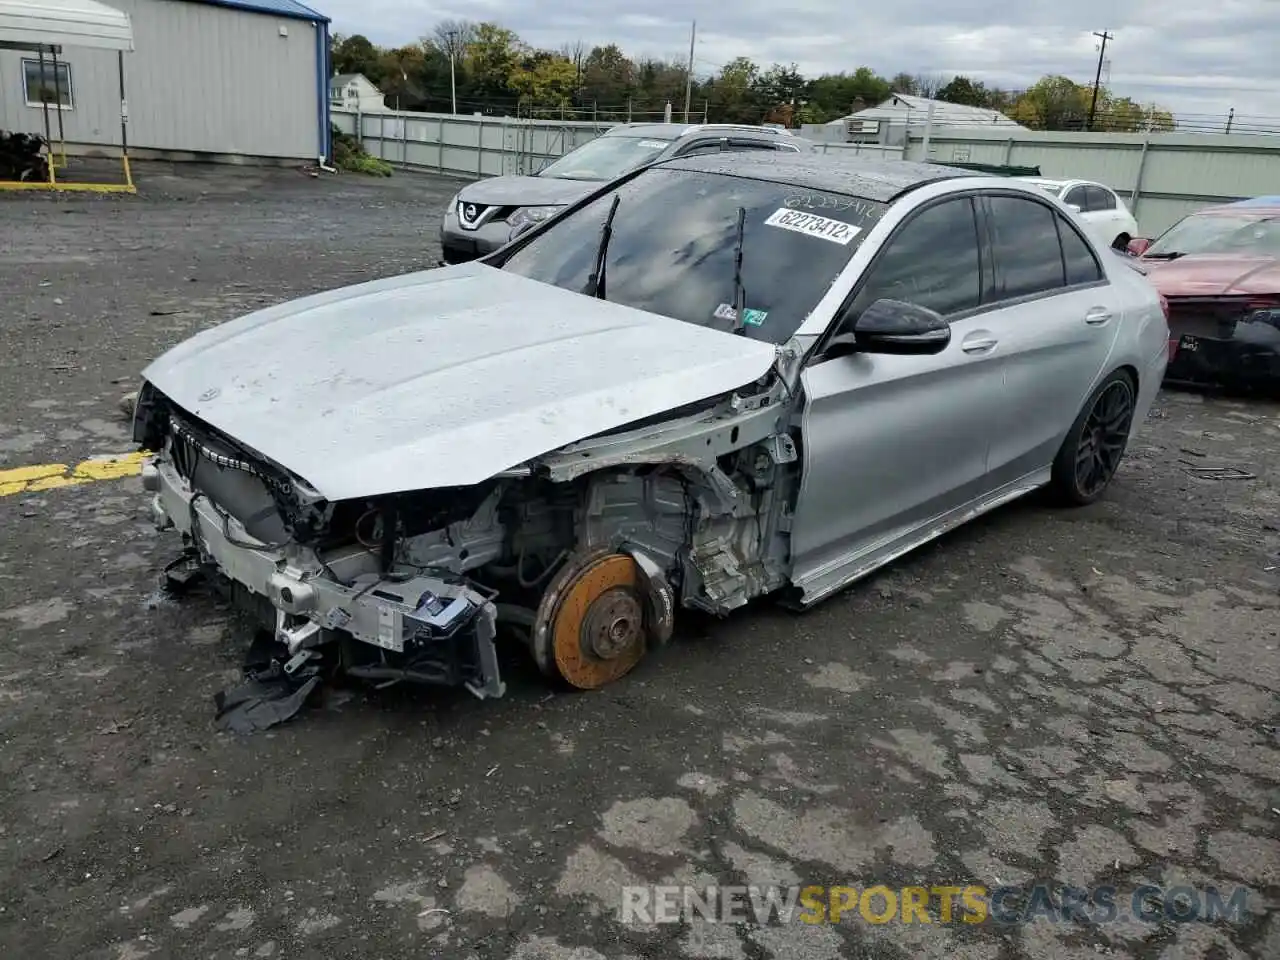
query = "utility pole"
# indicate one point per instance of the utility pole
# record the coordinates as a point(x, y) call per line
point(1097, 79)
point(688, 80)
point(453, 83)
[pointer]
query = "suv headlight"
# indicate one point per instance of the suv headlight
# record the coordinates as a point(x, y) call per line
point(532, 215)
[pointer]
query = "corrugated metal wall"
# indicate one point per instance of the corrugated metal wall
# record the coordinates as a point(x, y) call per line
point(201, 78)
point(1163, 176)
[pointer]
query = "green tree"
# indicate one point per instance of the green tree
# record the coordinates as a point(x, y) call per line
point(492, 56)
point(659, 83)
point(971, 93)
point(1123, 115)
point(545, 83)
point(780, 84)
point(354, 54)
point(1053, 103)
point(835, 95)
point(608, 77)
point(732, 93)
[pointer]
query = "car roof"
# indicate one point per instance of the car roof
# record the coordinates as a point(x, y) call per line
point(862, 177)
point(674, 131)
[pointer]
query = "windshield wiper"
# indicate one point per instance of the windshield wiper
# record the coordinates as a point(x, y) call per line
point(739, 291)
point(595, 282)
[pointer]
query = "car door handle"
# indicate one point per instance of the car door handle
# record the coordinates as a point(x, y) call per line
point(978, 343)
point(1097, 316)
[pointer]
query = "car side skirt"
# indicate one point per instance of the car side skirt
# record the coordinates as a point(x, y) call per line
point(840, 574)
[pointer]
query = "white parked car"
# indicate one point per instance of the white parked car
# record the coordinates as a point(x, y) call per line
point(1099, 208)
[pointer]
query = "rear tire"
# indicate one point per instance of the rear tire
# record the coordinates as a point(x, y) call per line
point(1095, 444)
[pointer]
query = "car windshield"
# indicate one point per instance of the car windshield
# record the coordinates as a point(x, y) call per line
point(1247, 236)
point(605, 158)
point(673, 242)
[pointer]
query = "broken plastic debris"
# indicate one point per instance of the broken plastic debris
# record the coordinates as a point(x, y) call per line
point(270, 694)
point(262, 702)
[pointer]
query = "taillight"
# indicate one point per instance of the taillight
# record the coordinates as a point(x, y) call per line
point(1173, 348)
point(1164, 306)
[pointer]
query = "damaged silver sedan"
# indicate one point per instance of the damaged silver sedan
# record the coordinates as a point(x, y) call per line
point(700, 384)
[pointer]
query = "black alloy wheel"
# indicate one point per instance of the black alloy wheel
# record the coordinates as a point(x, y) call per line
point(1095, 445)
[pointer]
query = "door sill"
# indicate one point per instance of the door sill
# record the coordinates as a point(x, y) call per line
point(840, 573)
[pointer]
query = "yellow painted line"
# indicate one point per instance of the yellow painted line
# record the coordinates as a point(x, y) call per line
point(53, 476)
point(68, 187)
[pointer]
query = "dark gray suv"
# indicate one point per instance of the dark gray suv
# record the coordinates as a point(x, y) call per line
point(482, 216)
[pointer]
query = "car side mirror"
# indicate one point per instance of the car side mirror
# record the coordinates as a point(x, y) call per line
point(1073, 207)
point(891, 327)
point(1137, 246)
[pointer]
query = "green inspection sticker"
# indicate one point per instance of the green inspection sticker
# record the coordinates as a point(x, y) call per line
point(751, 318)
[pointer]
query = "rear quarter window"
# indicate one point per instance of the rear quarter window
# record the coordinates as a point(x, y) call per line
point(1025, 247)
point(1080, 264)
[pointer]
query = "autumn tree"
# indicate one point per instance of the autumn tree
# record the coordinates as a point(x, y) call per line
point(545, 83)
point(495, 71)
point(1053, 103)
point(493, 54)
point(1123, 115)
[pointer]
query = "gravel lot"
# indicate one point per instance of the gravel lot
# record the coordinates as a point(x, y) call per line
point(1088, 697)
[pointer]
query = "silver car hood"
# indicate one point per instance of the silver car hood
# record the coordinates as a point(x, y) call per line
point(442, 378)
point(525, 191)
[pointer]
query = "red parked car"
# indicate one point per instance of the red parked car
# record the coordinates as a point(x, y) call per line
point(1219, 270)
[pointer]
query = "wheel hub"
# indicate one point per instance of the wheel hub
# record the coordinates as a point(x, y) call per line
point(613, 624)
point(591, 626)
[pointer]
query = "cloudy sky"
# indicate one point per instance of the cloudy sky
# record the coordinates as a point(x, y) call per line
point(1197, 57)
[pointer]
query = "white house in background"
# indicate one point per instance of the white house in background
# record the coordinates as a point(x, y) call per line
point(889, 121)
point(355, 91)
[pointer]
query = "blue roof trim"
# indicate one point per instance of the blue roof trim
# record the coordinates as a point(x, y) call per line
point(279, 8)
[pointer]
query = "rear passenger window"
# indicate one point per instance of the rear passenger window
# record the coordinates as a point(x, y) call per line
point(1081, 265)
point(1028, 257)
point(1100, 198)
point(1077, 196)
point(932, 261)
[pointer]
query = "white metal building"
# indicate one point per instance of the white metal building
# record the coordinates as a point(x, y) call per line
point(889, 121)
point(206, 79)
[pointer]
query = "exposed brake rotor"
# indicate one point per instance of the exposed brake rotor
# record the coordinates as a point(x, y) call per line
point(592, 626)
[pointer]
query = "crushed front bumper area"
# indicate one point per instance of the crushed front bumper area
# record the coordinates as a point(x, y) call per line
point(426, 629)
